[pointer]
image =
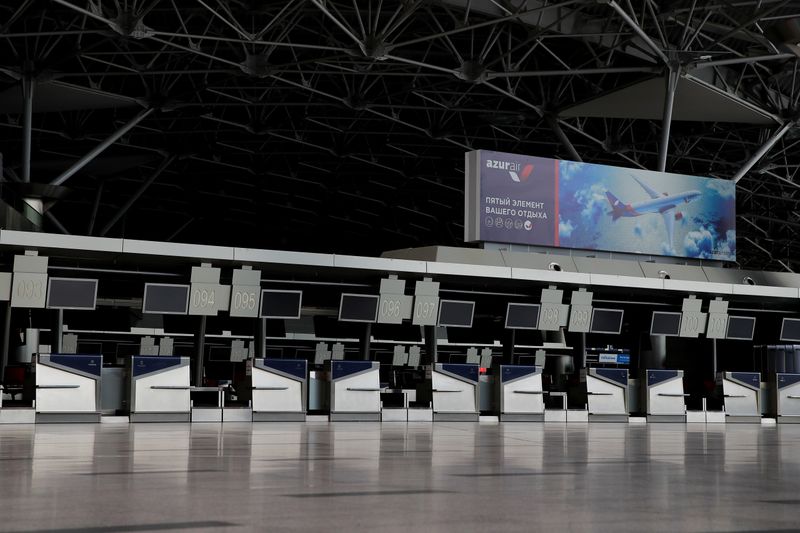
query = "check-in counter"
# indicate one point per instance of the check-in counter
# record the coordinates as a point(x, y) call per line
point(788, 398)
point(159, 389)
point(68, 388)
point(520, 393)
point(607, 394)
point(355, 393)
point(455, 392)
point(279, 390)
point(665, 397)
point(741, 392)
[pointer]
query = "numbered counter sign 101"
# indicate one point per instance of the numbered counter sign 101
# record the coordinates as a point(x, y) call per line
point(426, 311)
point(717, 326)
point(29, 290)
point(203, 299)
point(245, 300)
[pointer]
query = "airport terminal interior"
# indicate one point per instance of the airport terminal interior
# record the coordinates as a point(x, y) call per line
point(399, 265)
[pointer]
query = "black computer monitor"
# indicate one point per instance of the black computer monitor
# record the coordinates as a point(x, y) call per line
point(790, 330)
point(165, 299)
point(281, 304)
point(741, 328)
point(72, 293)
point(664, 323)
point(522, 316)
point(456, 314)
point(358, 307)
point(606, 321)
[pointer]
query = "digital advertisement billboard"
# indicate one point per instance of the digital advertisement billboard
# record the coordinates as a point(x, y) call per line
point(537, 201)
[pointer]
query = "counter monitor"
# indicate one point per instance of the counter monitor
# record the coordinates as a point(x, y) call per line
point(71, 293)
point(358, 307)
point(455, 313)
point(281, 304)
point(667, 324)
point(522, 316)
point(741, 328)
point(790, 330)
point(606, 321)
point(166, 299)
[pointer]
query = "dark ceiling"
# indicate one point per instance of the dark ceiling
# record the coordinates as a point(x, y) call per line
point(341, 126)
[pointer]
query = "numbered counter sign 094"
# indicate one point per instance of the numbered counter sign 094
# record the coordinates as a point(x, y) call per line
point(426, 311)
point(203, 299)
point(245, 300)
point(29, 290)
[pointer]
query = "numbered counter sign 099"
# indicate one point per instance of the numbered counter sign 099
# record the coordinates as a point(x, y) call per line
point(245, 300)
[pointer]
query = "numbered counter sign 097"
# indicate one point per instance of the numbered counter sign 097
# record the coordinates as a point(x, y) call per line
point(426, 311)
point(245, 300)
point(29, 290)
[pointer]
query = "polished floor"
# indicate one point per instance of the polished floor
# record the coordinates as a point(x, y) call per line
point(393, 477)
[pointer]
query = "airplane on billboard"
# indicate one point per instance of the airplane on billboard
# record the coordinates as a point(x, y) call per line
point(665, 204)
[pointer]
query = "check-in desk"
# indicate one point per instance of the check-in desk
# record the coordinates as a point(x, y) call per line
point(521, 397)
point(68, 388)
point(355, 392)
point(665, 397)
point(741, 391)
point(607, 394)
point(279, 390)
point(788, 398)
point(455, 392)
point(159, 389)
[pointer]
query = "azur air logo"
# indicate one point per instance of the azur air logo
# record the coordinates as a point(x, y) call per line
point(517, 172)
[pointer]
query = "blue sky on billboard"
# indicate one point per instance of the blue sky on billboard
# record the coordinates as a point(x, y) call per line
point(703, 225)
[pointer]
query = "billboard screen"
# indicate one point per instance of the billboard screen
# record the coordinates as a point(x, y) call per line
point(537, 201)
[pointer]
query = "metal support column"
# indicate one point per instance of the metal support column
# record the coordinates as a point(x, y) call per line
point(767, 146)
point(59, 332)
point(6, 341)
point(508, 347)
point(562, 137)
point(672, 78)
point(365, 341)
point(260, 339)
point(28, 84)
point(95, 207)
point(431, 346)
point(200, 344)
point(97, 150)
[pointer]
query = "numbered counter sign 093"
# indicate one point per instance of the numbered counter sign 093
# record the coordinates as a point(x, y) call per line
point(426, 310)
point(245, 300)
point(29, 290)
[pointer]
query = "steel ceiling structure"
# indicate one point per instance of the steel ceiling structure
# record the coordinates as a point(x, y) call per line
point(340, 126)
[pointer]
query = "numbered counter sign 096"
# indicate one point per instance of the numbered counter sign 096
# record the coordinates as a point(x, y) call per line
point(245, 300)
point(29, 290)
point(426, 311)
point(390, 310)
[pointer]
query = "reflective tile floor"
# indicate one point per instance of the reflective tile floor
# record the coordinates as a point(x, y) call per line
point(393, 477)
